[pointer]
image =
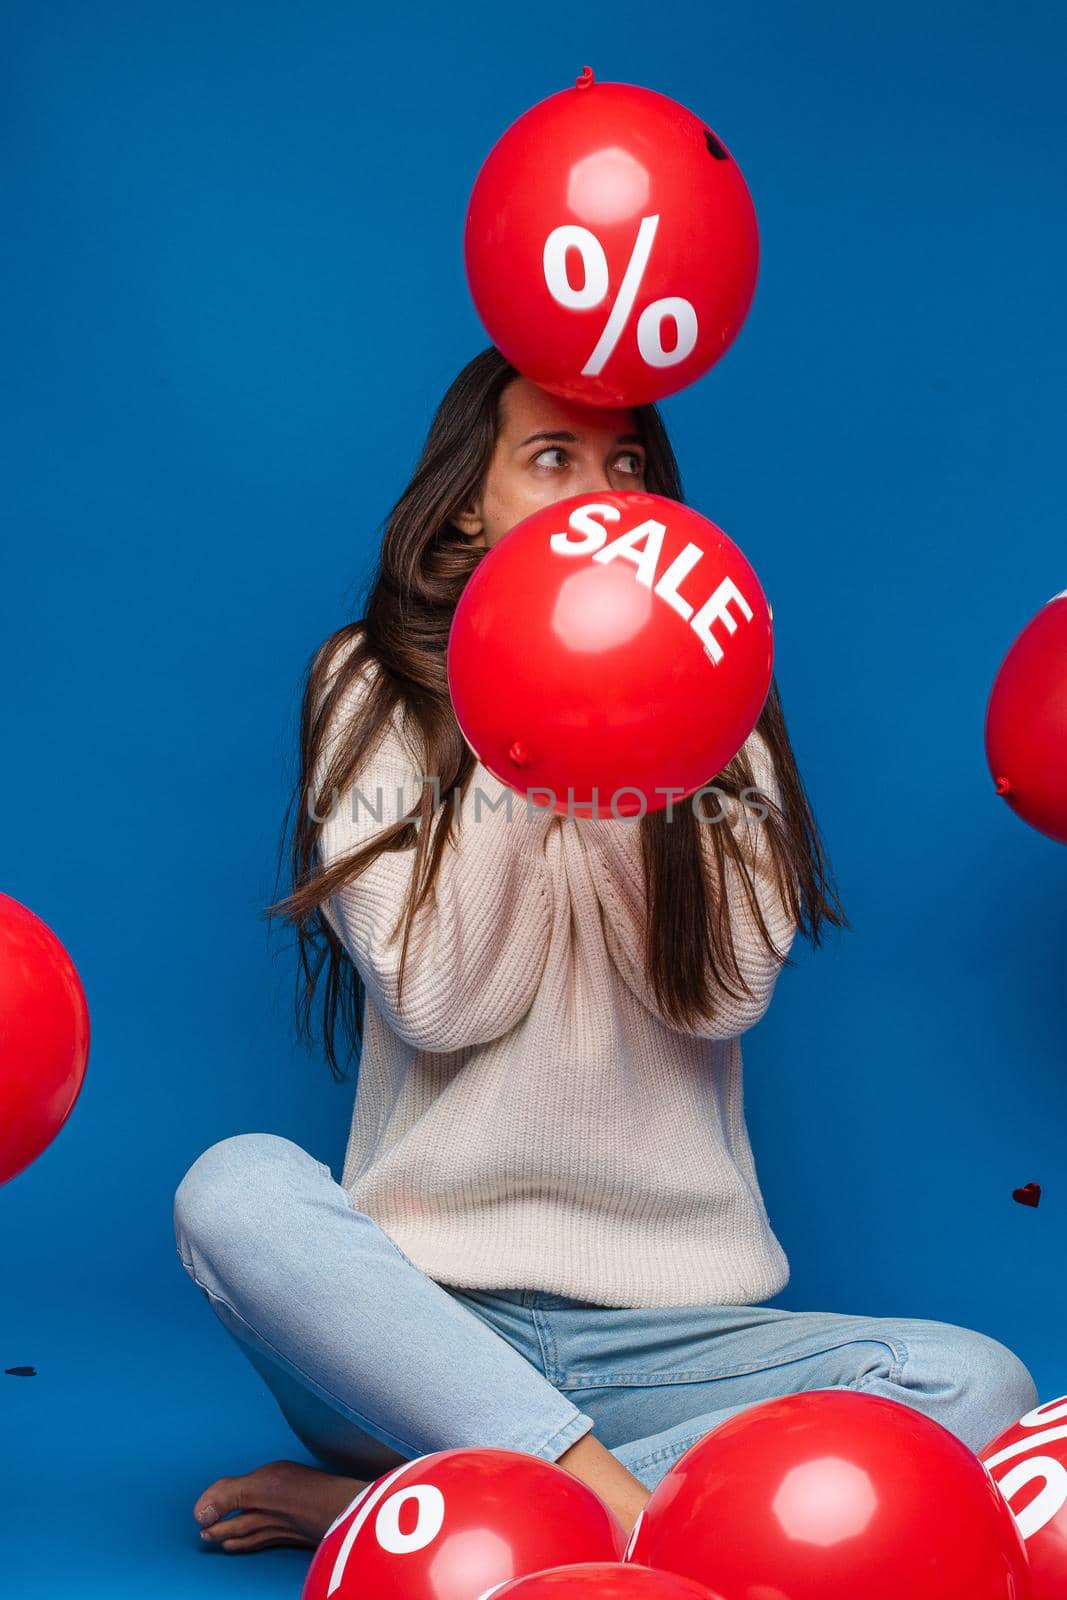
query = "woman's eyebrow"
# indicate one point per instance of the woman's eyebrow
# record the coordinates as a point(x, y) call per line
point(564, 438)
point(573, 438)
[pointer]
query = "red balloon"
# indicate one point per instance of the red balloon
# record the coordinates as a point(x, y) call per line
point(832, 1493)
point(601, 1580)
point(1028, 1463)
point(449, 1525)
point(616, 643)
point(44, 1036)
point(611, 244)
point(1026, 722)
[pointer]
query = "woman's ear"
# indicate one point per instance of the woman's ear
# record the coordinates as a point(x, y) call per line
point(469, 522)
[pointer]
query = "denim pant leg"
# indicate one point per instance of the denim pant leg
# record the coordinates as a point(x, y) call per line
point(370, 1360)
point(656, 1381)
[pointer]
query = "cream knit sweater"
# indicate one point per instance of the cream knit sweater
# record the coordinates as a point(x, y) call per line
point(528, 1119)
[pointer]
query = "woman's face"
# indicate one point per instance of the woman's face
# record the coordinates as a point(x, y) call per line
point(592, 449)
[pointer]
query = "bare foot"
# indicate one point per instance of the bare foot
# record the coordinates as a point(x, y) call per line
point(280, 1503)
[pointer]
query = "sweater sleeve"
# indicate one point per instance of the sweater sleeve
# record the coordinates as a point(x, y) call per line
point(615, 848)
point(478, 945)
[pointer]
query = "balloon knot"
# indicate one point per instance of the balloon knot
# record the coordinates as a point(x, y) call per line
point(1003, 785)
point(586, 79)
point(517, 754)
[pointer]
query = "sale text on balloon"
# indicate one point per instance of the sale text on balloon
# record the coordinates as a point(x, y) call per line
point(1047, 1470)
point(643, 546)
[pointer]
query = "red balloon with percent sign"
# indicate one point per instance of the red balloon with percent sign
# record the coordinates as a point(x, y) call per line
point(833, 1493)
point(1026, 722)
point(44, 1036)
point(601, 1580)
point(452, 1524)
point(1028, 1464)
point(611, 244)
point(610, 648)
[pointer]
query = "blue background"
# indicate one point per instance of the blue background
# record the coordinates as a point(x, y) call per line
point(233, 295)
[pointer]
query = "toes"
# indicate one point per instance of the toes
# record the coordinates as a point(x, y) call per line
point(206, 1511)
point(236, 1527)
point(217, 1500)
point(226, 1495)
point(263, 1540)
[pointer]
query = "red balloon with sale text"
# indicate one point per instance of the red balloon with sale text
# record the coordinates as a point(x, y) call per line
point(1026, 722)
point(834, 1495)
point(1028, 1462)
point(611, 244)
point(610, 652)
point(44, 1036)
point(452, 1524)
point(599, 1580)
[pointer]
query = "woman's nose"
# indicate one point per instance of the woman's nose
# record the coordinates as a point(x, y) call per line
point(594, 480)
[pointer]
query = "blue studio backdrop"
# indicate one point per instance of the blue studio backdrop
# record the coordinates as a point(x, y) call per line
point(233, 295)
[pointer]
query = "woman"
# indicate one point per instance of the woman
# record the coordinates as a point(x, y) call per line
point(548, 1220)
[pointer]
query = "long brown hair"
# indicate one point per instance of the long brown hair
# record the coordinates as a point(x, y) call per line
point(422, 568)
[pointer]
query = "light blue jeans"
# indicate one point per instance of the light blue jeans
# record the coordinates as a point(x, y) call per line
point(374, 1363)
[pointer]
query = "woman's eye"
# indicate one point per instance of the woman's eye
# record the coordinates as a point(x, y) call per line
point(630, 455)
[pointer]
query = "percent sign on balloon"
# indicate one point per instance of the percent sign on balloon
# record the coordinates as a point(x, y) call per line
point(611, 172)
point(593, 291)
